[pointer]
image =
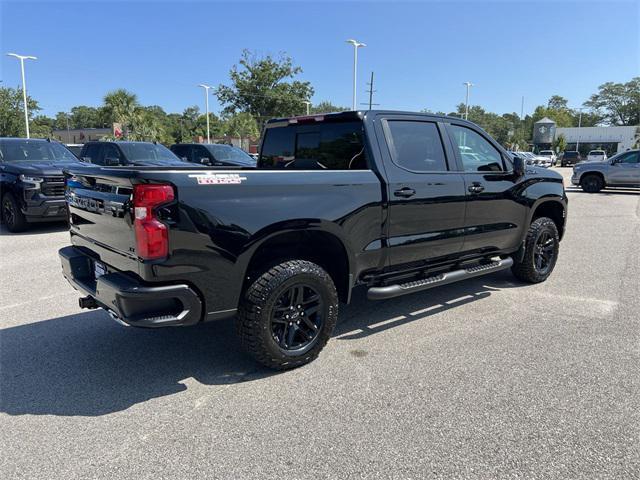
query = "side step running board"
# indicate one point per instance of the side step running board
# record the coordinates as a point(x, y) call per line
point(389, 291)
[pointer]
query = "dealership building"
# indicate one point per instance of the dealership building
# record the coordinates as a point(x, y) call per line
point(610, 139)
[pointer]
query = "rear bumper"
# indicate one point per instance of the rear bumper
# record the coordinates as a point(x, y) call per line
point(128, 299)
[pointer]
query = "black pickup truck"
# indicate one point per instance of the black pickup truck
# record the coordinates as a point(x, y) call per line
point(391, 201)
point(31, 181)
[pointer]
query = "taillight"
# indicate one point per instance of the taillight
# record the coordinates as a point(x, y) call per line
point(152, 236)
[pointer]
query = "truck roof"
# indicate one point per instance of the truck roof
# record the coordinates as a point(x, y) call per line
point(352, 115)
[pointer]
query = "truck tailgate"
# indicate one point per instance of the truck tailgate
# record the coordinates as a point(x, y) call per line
point(100, 210)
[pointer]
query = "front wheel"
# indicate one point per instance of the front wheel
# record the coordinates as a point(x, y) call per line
point(592, 183)
point(541, 248)
point(288, 314)
point(12, 217)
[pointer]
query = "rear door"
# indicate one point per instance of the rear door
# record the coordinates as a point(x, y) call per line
point(425, 190)
point(626, 170)
point(494, 219)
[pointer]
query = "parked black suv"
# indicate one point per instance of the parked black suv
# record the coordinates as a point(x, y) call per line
point(570, 158)
point(128, 153)
point(31, 181)
point(213, 154)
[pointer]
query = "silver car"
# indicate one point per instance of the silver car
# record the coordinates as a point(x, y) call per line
point(621, 170)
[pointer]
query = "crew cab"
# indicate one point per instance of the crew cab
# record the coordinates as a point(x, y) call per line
point(392, 202)
point(621, 170)
point(32, 182)
point(213, 154)
point(128, 153)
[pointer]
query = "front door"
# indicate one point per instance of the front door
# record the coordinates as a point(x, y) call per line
point(425, 190)
point(625, 170)
point(494, 220)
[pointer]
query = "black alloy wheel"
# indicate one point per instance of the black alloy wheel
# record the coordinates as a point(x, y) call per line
point(544, 252)
point(297, 318)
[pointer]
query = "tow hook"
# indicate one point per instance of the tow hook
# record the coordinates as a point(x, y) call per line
point(87, 302)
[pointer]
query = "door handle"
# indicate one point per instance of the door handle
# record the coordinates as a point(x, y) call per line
point(476, 187)
point(405, 192)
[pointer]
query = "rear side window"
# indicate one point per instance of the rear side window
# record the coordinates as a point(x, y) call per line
point(92, 153)
point(322, 146)
point(416, 146)
point(477, 154)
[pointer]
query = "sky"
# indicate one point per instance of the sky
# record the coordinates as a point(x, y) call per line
point(421, 51)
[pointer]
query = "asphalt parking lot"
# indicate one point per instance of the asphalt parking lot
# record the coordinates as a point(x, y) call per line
point(488, 378)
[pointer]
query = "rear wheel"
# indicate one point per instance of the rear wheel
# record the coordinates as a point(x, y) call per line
point(540, 252)
point(12, 217)
point(288, 314)
point(592, 183)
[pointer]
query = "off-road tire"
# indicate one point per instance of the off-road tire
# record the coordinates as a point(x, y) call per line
point(259, 301)
point(526, 269)
point(592, 183)
point(15, 221)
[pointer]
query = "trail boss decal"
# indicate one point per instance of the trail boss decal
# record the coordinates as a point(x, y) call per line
point(218, 178)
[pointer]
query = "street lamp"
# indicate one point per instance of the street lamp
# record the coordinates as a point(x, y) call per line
point(206, 100)
point(356, 45)
point(22, 58)
point(579, 125)
point(466, 103)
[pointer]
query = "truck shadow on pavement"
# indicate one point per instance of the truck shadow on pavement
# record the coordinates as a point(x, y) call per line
point(87, 365)
point(36, 229)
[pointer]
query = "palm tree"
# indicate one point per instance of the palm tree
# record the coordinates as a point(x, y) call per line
point(121, 106)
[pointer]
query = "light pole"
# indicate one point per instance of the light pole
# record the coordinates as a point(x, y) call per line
point(579, 125)
point(356, 45)
point(466, 103)
point(308, 104)
point(22, 58)
point(206, 101)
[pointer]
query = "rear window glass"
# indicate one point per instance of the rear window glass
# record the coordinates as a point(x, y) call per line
point(322, 146)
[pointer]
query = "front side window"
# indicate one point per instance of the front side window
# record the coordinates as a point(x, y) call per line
point(323, 146)
point(630, 157)
point(477, 154)
point(416, 146)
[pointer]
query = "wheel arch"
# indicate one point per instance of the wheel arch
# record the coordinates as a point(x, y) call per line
point(320, 246)
point(553, 209)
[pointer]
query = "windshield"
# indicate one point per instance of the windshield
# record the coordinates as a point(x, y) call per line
point(546, 152)
point(596, 152)
point(147, 151)
point(227, 153)
point(34, 151)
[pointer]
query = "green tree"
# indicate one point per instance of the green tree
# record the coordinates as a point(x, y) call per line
point(88, 117)
point(560, 143)
point(326, 107)
point(120, 106)
point(242, 125)
point(12, 113)
point(264, 87)
point(619, 103)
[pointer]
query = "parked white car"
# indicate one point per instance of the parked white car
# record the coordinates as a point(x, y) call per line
point(597, 156)
point(549, 153)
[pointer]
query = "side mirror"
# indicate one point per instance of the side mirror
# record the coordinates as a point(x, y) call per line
point(518, 166)
point(111, 161)
point(205, 161)
point(85, 159)
point(184, 159)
